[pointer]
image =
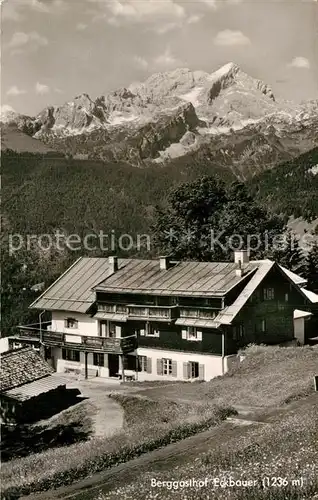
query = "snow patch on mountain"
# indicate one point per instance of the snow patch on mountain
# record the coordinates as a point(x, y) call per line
point(192, 96)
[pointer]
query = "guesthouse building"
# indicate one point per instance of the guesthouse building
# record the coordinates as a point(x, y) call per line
point(164, 319)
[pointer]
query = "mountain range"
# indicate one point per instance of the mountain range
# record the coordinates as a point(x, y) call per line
point(226, 117)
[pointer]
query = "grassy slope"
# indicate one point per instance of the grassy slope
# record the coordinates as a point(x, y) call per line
point(269, 376)
point(149, 425)
point(286, 448)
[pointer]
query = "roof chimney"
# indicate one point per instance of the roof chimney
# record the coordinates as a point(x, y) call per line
point(241, 256)
point(113, 263)
point(164, 263)
point(239, 270)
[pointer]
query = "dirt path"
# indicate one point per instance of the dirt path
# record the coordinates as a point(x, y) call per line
point(108, 417)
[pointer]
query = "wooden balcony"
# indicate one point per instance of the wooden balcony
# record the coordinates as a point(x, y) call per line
point(152, 313)
point(111, 345)
point(199, 313)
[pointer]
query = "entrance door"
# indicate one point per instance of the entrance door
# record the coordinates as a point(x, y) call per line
point(113, 364)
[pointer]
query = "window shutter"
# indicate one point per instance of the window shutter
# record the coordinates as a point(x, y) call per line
point(118, 331)
point(186, 368)
point(184, 334)
point(174, 369)
point(199, 335)
point(201, 372)
point(159, 366)
point(149, 367)
point(142, 332)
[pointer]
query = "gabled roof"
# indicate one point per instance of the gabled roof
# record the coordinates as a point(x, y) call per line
point(22, 366)
point(312, 296)
point(228, 314)
point(298, 280)
point(72, 291)
point(182, 278)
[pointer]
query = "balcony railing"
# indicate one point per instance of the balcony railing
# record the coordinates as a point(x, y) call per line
point(197, 313)
point(155, 313)
point(114, 345)
point(112, 308)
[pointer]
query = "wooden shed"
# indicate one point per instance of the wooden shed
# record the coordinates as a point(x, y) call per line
point(29, 390)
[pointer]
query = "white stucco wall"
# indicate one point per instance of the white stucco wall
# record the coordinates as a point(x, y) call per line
point(86, 324)
point(212, 364)
point(299, 330)
point(63, 364)
point(4, 344)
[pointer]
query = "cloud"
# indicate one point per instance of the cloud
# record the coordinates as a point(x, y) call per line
point(15, 10)
point(167, 60)
point(194, 18)
point(41, 89)
point(81, 26)
point(21, 39)
point(141, 62)
point(210, 3)
point(166, 13)
point(299, 62)
point(15, 91)
point(229, 38)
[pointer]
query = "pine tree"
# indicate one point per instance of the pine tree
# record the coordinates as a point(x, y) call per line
point(312, 268)
point(290, 254)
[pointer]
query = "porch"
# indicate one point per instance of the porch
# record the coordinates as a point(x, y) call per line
point(70, 352)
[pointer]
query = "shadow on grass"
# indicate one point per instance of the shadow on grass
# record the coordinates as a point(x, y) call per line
point(26, 438)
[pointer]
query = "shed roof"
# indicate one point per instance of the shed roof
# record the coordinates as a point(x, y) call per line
point(21, 366)
point(34, 389)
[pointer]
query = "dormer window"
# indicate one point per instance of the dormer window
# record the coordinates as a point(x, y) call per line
point(71, 323)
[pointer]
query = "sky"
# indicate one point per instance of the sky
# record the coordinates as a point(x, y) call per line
point(53, 50)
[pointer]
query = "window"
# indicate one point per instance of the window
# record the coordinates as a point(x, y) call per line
point(98, 359)
point(112, 330)
point(142, 362)
point(191, 333)
point(71, 323)
point(70, 355)
point(263, 325)
point(167, 366)
point(238, 332)
point(193, 369)
point(286, 297)
point(152, 330)
point(269, 293)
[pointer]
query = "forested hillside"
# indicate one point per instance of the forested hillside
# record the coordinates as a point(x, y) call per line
point(291, 188)
point(42, 194)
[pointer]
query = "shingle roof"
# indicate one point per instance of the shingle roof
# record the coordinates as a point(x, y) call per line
point(183, 278)
point(72, 291)
point(21, 366)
